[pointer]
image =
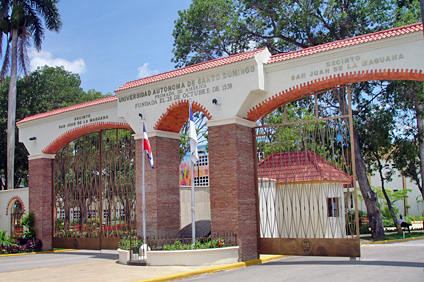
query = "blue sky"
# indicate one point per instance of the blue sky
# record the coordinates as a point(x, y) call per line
point(109, 43)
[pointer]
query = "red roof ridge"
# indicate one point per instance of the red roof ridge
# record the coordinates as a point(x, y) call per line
point(70, 108)
point(365, 38)
point(191, 69)
point(299, 166)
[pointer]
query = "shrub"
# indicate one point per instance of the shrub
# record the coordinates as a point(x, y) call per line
point(132, 242)
point(207, 244)
point(6, 242)
point(28, 221)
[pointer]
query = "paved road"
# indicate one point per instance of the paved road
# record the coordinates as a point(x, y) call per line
point(81, 265)
point(26, 262)
point(379, 262)
point(401, 261)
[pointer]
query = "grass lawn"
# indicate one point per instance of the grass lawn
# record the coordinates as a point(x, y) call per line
point(396, 236)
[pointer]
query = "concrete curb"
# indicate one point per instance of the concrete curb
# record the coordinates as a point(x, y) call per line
point(393, 241)
point(245, 264)
point(212, 269)
point(34, 253)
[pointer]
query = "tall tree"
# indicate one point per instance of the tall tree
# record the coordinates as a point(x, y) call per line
point(45, 89)
point(408, 98)
point(282, 26)
point(21, 21)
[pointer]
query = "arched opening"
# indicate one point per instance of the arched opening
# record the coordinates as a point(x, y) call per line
point(16, 212)
point(94, 190)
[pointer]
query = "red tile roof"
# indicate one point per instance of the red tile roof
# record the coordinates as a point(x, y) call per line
point(191, 69)
point(347, 42)
point(69, 108)
point(300, 167)
point(237, 58)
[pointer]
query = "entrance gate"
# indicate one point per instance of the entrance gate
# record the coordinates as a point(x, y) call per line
point(306, 178)
point(94, 190)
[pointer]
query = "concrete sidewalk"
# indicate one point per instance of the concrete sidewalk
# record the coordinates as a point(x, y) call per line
point(104, 269)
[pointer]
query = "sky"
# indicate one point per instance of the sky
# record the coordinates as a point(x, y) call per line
point(109, 43)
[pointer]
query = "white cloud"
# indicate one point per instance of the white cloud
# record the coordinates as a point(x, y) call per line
point(42, 58)
point(145, 71)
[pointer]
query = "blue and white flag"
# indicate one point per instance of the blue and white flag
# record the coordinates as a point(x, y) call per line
point(193, 140)
point(147, 147)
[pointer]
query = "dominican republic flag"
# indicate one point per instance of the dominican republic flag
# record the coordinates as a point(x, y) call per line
point(193, 140)
point(147, 147)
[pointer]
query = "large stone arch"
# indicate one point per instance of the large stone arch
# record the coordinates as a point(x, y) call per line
point(177, 114)
point(304, 89)
point(67, 137)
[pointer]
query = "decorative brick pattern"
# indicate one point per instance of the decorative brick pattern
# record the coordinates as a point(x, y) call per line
point(40, 199)
point(17, 198)
point(70, 135)
point(162, 187)
point(305, 89)
point(232, 186)
point(177, 114)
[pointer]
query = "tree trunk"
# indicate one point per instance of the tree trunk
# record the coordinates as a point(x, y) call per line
point(419, 111)
point(389, 203)
point(11, 112)
point(370, 199)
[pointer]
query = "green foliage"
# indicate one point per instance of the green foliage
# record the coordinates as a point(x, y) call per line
point(214, 28)
point(207, 244)
point(28, 221)
point(43, 90)
point(6, 241)
point(130, 242)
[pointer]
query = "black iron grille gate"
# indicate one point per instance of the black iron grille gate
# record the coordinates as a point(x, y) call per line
point(94, 190)
point(306, 178)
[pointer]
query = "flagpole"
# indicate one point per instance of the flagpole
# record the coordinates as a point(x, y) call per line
point(143, 186)
point(193, 211)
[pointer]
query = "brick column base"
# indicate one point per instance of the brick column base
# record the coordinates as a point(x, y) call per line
point(162, 187)
point(40, 199)
point(232, 185)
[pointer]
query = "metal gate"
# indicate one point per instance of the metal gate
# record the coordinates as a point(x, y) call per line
point(306, 178)
point(94, 190)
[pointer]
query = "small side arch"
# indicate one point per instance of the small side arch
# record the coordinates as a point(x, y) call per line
point(304, 89)
point(177, 114)
point(11, 201)
point(67, 137)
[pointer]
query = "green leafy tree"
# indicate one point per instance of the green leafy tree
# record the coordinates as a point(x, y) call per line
point(22, 20)
point(376, 128)
point(284, 26)
point(44, 89)
point(408, 98)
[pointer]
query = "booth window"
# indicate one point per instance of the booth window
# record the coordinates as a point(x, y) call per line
point(333, 207)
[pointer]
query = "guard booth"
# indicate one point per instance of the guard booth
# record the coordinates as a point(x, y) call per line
point(306, 178)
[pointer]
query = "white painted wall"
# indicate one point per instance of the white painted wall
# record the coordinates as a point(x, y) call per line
point(300, 210)
point(6, 205)
point(202, 204)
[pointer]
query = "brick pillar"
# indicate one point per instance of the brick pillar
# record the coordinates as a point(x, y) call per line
point(162, 184)
point(40, 169)
point(232, 183)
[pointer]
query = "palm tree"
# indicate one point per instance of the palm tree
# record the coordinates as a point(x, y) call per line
point(21, 20)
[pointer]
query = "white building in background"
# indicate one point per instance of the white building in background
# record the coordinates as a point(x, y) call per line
point(412, 205)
